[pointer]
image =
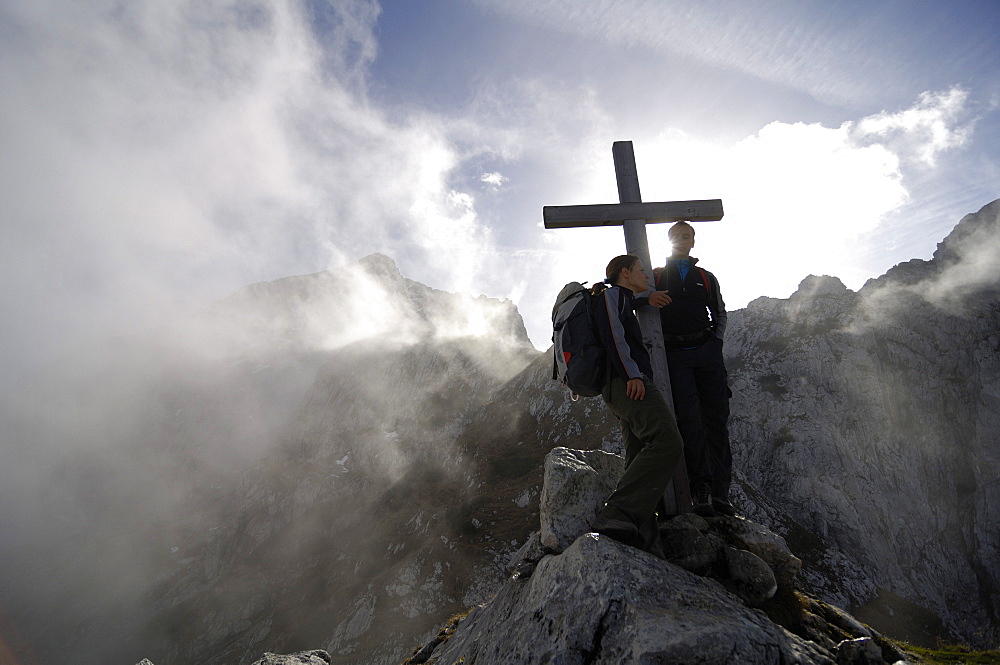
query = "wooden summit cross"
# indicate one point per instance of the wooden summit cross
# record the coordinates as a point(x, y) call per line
point(633, 214)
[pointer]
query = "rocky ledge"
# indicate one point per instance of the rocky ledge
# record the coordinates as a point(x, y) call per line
point(725, 593)
point(316, 657)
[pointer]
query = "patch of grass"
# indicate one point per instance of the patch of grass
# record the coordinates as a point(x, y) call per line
point(904, 620)
point(787, 609)
point(953, 653)
point(459, 518)
point(423, 654)
point(510, 467)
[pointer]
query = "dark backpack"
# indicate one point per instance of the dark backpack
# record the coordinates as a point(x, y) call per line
point(579, 361)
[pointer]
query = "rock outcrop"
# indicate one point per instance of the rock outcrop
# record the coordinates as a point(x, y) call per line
point(315, 657)
point(716, 599)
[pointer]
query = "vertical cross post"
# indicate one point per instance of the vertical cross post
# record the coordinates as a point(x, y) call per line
point(677, 497)
point(637, 244)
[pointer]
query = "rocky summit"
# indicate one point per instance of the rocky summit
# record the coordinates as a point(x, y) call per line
point(725, 593)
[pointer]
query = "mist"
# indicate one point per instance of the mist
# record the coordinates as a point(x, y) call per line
point(159, 158)
point(160, 448)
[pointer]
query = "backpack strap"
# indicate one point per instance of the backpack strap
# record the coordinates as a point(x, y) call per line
point(711, 305)
point(658, 275)
point(704, 277)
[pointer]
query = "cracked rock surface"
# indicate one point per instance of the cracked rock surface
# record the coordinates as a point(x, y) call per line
point(603, 602)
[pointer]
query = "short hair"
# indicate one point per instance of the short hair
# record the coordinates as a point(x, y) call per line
point(617, 264)
point(670, 233)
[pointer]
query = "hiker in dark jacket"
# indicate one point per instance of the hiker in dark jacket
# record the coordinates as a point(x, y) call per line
point(694, 322)
point(652, 441)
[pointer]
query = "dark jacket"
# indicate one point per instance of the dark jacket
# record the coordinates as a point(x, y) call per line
point(619, 332)
point(697, 311)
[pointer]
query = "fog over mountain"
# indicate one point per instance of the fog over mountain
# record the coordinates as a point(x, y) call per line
point(340, 461)
point(872, 418)
point(135, 464)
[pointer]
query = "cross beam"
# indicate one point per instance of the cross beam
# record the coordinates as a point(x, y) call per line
point(615, 214)
point(633, 214)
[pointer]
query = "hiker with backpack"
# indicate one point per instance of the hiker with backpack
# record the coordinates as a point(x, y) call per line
point(694, 322)
point(652, 441)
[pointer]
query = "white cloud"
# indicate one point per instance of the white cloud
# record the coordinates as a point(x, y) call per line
point(164, 154)
point(800, 198)
point(934, 124)
point(495, 180)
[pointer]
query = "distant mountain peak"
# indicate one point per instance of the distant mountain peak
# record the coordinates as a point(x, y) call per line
point(974, 240)
point(327, 309)
point(820, 285)
point(982, 224)
point(377, 265)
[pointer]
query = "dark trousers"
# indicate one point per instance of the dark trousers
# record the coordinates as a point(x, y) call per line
point(699, 382)
point(652, 452)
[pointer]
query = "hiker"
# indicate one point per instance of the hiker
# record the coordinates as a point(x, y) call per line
point(694, 323)
point(652, 441)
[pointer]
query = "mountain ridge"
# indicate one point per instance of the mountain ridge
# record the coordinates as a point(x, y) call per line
point(365, 516)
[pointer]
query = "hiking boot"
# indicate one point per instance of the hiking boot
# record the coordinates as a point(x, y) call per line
point(702, 502)
point(722, 506)
point(624, 532)
point(656, 549)
point(650, 533)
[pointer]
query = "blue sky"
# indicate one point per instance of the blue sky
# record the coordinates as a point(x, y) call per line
point(158, 155)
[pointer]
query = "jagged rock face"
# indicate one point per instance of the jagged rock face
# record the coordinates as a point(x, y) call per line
point(603, 602)
point(368, 298)
point(315, 657)
point(871, 418)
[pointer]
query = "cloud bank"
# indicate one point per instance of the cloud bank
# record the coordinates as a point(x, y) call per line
point(160, 156)
point(800, 198)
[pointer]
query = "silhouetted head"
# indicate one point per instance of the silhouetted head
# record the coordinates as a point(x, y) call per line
point(681, 237)
point(627, 270)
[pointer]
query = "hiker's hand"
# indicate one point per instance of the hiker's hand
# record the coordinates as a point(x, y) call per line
point(635, 389)
point(659, 299)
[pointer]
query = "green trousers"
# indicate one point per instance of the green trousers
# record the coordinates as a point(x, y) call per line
point(653, 448)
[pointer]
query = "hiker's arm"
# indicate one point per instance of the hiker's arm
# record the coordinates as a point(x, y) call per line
point(659, 299)
point(635, 389)
point(652, 298)
point(612, 335)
